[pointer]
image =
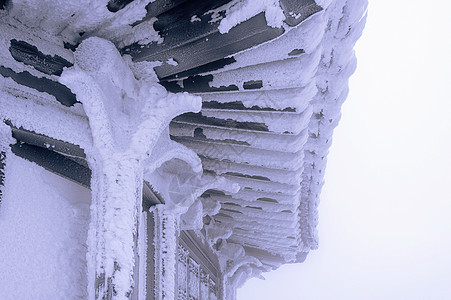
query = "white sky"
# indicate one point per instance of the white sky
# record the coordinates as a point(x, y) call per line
point(385, 212)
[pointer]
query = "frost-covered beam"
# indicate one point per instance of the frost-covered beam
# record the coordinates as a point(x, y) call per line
point(247, 155)
point(209, 31)
point(116, 5)
point(54, 162)
point(260, 140)
point(58, 157)
point(127, 112)
point(2, 171)
point(3, 4)
point(43, 141)
point(33, 62)
point(277, 175)
point(293, 99)
point(234, 261)
point(264, 205)
point(5, 140)
point(30, 55)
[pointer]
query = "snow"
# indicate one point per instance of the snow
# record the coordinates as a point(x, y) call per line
point(128, 113)
point(43, 229)
point(195, 18)
point(38, 111)
point(46, 46)
point(306, 36)
point(142, 33)
point(172, 62)
point(336, 66)
point(239, 11)
point(125, 136)
point(5, 137)
point(323, 3)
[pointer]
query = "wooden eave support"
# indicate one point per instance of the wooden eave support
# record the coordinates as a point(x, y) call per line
point(5, 140)
point(64, 159)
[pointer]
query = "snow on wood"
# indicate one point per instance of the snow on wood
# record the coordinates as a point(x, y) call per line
point(239, 11)
point(126, 117)
point(5, 140)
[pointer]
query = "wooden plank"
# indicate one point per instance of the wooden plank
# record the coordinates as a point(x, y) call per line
point(30, 55)
point(209, 67)
point(62, 93)
point(43, 141)
point(180, 16)
point(198, 118)
point(194, 44)
point(61, 158)
point(156, 8)
point(54, 162)
point(196, 84)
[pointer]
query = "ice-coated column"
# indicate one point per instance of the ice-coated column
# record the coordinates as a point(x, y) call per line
point(167, 230)
point(128, 111)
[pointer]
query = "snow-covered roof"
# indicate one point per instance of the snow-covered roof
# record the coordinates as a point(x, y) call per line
point(271, 94)
point(270, 128)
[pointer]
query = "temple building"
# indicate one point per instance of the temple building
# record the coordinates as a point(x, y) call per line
point(164, 149)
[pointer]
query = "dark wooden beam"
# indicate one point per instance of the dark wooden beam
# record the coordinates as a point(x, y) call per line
point(43, 141)
point(62, 158)
point(209, 67)
point(194, 44)
point(68, 168)
point(54, 162)
point(160, 7)
point(4, 3)
point(30, 55)
point(196, 84)
point(297, 11)
point(62, 93)
point(198, 118)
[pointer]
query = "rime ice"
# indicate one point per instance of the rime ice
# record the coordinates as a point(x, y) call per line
point(201, 130)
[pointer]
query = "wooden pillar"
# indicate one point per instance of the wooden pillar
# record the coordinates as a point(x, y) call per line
point(127, 114)
point(166, 233)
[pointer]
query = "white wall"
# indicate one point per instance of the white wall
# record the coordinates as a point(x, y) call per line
point(43, 227)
